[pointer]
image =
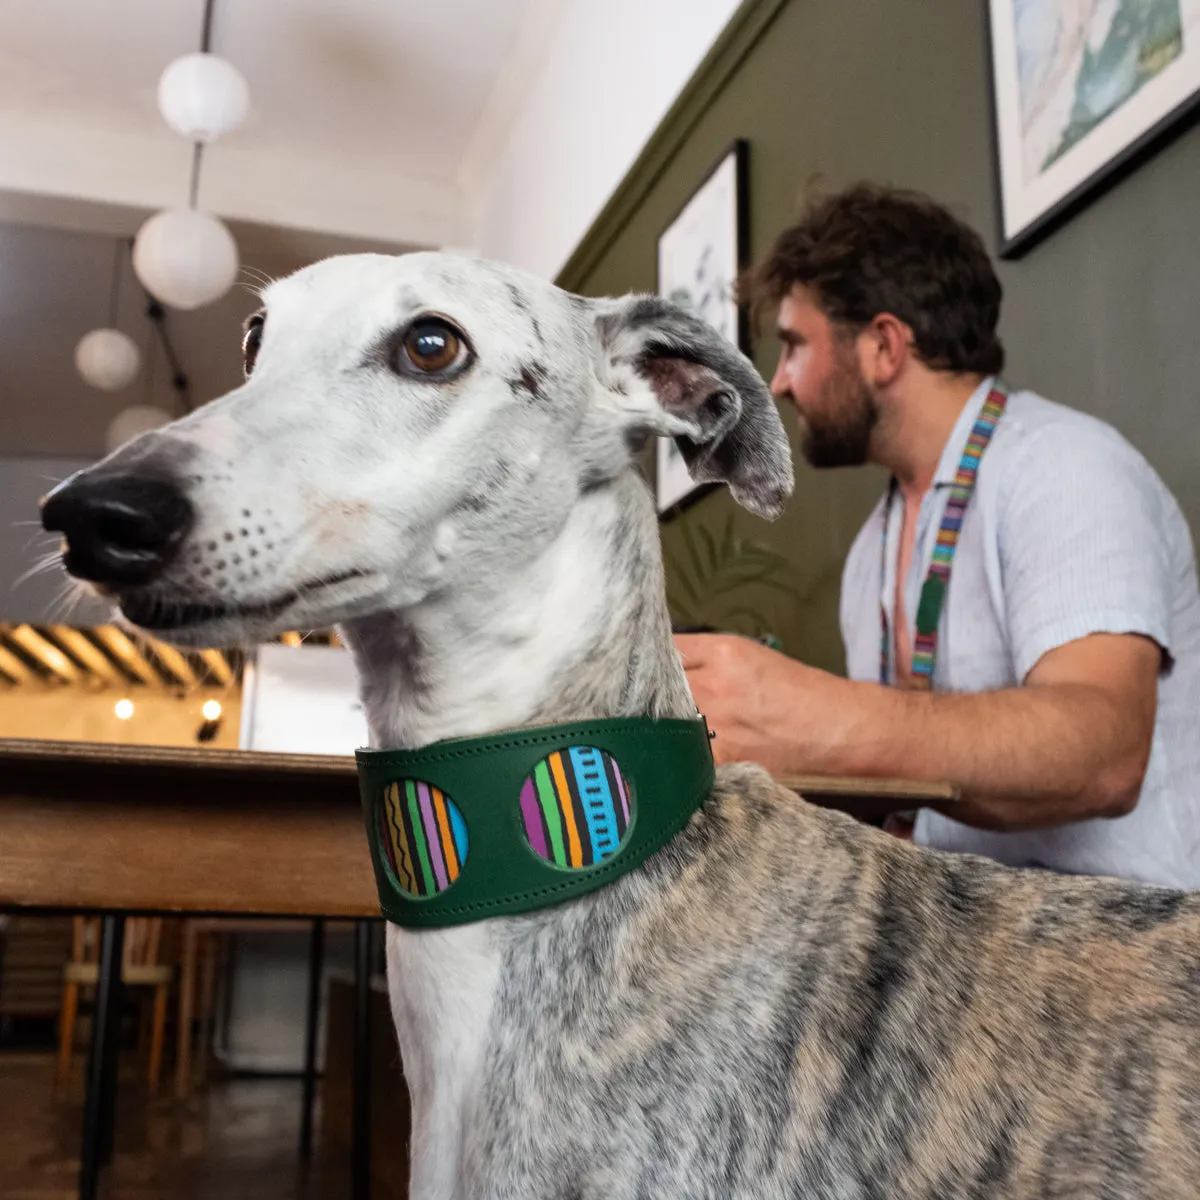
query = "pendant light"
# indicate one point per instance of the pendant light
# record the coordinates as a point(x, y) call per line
point(186, 257)
point(107, 358)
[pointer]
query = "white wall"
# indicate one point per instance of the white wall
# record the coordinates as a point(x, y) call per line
point(605, 77)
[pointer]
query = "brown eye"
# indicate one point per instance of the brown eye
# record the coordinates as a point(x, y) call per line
point(433, 346)
point(251, 340)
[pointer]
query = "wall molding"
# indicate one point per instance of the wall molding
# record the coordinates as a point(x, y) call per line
point(738, 38)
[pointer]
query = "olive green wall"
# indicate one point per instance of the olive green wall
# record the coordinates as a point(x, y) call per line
point(1102, 315)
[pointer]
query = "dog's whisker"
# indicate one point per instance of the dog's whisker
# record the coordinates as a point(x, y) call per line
point(257, 273)
point(71, 596)
point(43, 566)
point(49, 541)
point(256, 281)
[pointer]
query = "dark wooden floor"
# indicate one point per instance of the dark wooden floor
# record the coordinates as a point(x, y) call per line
point(236, 1140)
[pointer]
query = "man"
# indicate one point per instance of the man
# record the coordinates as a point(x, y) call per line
point(1047, 658)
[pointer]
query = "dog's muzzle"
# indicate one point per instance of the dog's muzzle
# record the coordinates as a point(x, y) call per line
point(119, 530)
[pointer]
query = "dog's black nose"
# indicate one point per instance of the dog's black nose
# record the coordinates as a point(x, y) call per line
point(119, 529)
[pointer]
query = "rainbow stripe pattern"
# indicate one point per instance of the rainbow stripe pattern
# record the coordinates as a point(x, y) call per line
point(933, 592)
point(576, 807)
point(424, 837)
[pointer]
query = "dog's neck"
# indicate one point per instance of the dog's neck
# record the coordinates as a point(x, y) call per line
point(579, 632)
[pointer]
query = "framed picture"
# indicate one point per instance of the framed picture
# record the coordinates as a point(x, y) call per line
point(1082, 91)
point(700, 254)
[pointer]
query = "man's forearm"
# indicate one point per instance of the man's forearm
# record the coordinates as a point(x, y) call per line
point(1023, 757)
point(1069, 744)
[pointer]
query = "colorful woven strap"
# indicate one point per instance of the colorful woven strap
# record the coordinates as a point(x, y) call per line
point(933, 591)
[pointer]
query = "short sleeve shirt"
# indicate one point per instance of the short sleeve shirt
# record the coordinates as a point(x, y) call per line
point(1069, 532)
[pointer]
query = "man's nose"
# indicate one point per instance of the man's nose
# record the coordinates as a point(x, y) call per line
point(779, 386)
point(119, 529)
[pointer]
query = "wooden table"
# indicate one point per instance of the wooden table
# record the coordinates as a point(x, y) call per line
point(869, 799)
point(124, 829)
point(164, 830)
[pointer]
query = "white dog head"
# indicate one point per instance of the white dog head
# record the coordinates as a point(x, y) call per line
point(406, 423)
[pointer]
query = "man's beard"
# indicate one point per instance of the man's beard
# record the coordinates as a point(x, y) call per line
point(838, 434)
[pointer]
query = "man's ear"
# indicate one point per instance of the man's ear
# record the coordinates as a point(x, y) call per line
point(679, 377)
point(889, 347)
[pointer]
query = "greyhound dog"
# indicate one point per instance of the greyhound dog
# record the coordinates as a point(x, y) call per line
point(438, 455)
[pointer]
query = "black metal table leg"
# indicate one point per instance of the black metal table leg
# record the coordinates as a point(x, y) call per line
point(316, 963)
point(112, 1054)
point(361, 1176)
point(112, 1062)
point(100, 1102)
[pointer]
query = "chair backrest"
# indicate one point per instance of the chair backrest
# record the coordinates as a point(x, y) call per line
point(143, 936)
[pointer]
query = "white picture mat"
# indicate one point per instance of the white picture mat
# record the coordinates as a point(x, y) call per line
point(698, 254)
point(698, 269)
point(1025, 195)
point(672, 481)
point(302, 700)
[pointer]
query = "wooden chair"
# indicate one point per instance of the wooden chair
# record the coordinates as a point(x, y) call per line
point(140, 968)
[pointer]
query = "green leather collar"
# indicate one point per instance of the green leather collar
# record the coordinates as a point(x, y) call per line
point(481, 827)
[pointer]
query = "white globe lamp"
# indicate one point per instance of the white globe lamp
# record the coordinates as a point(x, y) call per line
point(185, 258)
point(131, 422)
point(107, 359)
point(202, 97)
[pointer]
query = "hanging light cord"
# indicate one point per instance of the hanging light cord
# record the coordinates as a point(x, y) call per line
point(114, 295)
point(179, 379)
point(194, 186)
point(198, 147)
point(206, 27)
point(156, 313)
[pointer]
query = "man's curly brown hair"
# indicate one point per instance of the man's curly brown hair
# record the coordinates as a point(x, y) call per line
point(870, 250)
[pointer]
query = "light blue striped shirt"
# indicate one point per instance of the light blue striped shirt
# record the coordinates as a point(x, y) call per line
point(1070, 532)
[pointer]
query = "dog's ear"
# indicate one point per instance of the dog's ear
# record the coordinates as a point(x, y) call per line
point(700, 390)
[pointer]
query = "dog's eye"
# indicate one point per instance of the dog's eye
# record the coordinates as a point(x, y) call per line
point(433, 346)
point(251, 340)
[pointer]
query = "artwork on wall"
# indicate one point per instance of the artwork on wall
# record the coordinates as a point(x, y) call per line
point(700, 254)
point(1082, 91)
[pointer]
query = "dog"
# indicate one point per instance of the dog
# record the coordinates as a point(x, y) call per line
point(439, 455)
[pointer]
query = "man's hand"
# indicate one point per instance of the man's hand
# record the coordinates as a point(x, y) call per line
point(763, 706)
point(1069, 745)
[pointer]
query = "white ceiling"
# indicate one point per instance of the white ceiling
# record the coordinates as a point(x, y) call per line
point(367, 114)
point(355, 77)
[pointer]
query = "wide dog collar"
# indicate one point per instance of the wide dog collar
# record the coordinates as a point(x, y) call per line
point(481, 827)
